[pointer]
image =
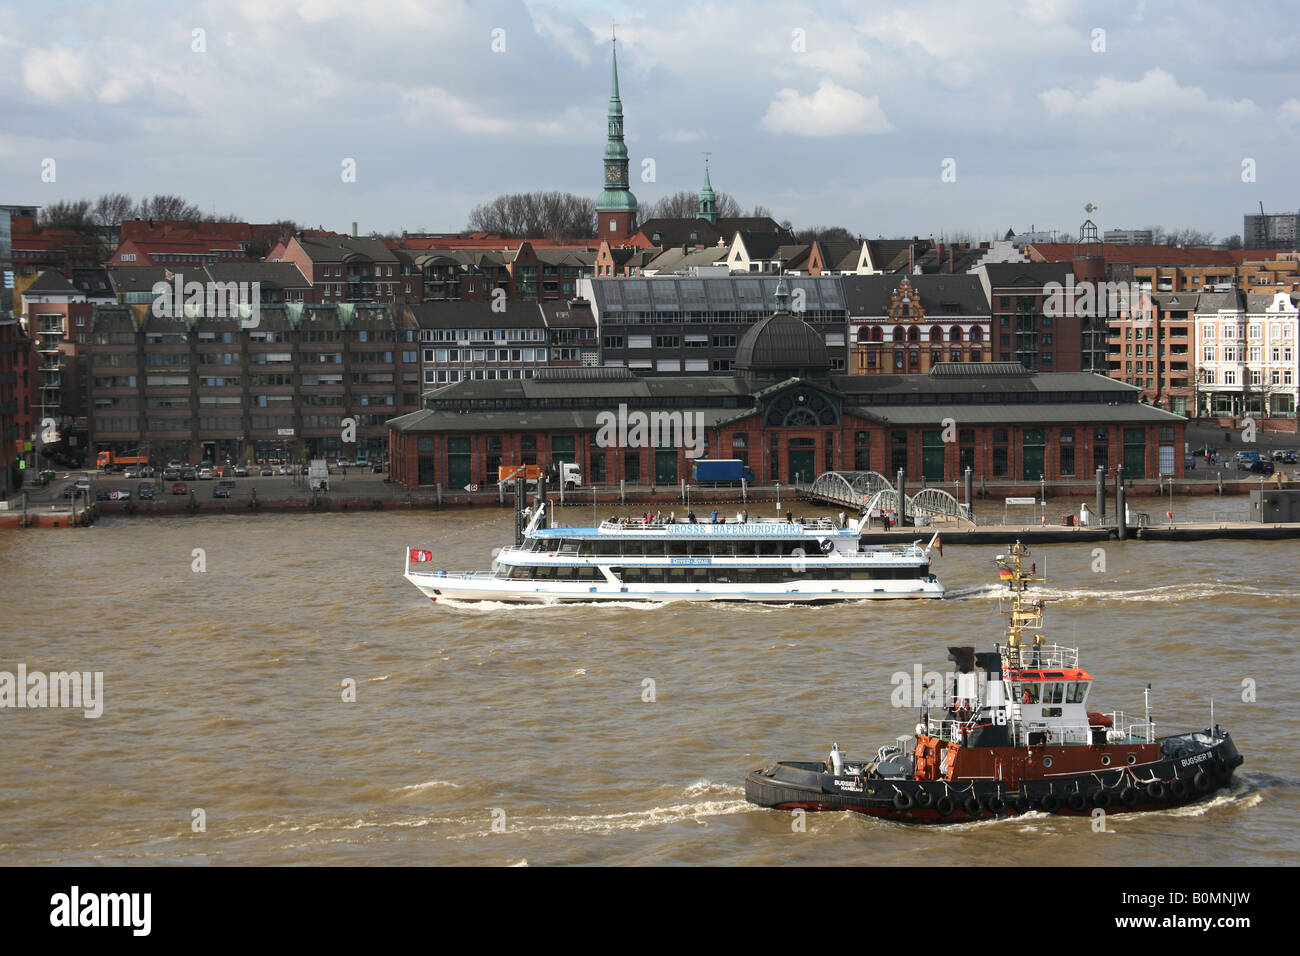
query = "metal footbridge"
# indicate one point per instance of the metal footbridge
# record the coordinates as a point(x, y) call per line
point(871, 491)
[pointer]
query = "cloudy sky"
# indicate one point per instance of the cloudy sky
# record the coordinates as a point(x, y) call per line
point(837, 114)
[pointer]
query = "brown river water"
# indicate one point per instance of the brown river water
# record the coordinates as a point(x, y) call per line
point(501, 735)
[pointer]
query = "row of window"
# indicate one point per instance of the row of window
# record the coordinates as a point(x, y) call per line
point(716, 575)
point(659, 547)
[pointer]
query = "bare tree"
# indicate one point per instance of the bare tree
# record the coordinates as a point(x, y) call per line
point(823, 234)
point(551, 215)
point(168, 209)
point(686, 205)
point(1232, 242)
point(68, 214)
point(111, 209)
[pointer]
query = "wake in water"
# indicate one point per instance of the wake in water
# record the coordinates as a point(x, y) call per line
point(1164, 594)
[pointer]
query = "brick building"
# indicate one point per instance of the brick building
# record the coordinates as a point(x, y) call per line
point(790, 418)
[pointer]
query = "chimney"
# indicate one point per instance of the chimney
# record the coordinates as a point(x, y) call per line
point(938, 257)
point(950, 258)
point(354, 229)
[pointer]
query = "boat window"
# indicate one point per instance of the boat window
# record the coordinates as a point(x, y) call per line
point(1078, 691)
point(725, 549)
point(722, 576)
point(679, 547)
point(654, 575)
point(634, 548)
point(589, 574)
point(676, 576)
point(769, 575)
point(545, 573)
point(746, 575)
point(569, 546)
point(632, 575)
point(1029, 695)
point(654, 548)
point(1054, 692)
point(609, 549)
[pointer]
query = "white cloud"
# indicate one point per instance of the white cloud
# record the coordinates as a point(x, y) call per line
point(57, 74)
point(683, 136)
point(573, 38)
point(1289, 112)
point(831, 111)
point(432, 104)
point(1156, 95)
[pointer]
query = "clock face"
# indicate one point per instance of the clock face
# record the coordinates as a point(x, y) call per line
point(611, 174)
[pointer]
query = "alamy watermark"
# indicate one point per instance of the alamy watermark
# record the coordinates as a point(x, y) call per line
point(174, 298)
point(36, 689)
point(624, 429)
point(1089, 299)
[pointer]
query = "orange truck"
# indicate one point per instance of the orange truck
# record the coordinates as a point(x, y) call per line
point(511, 472)
point(108, 461)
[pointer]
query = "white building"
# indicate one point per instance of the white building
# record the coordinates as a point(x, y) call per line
point(1246, 354)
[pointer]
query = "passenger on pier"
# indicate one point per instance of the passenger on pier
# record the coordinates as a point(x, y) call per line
point(739, 517)
point(843, 519)
point(672, 517)
point(659, 517)
point(690, 516)
point(744, 515)
point(789, 517)
point(713, 517)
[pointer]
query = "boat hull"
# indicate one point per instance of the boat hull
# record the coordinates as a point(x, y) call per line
point(1168, 782)
point(484, 587)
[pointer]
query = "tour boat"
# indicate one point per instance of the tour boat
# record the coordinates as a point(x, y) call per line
point(660, 560)
point(1009, 732)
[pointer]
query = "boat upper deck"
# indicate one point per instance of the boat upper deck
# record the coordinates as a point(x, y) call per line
point(770, 528)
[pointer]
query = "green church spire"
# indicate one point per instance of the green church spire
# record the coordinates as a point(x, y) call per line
point(616, 196)
point(708, 200)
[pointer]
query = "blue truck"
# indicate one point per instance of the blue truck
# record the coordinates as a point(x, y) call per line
point(717, 470)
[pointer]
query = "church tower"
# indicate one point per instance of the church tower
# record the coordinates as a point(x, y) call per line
point(708, 200)
point(616, 207)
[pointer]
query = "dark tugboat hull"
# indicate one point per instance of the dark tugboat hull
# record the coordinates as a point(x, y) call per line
point(1174, 780)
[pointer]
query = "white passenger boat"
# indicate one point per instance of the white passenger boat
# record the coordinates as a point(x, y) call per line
point(766, 560)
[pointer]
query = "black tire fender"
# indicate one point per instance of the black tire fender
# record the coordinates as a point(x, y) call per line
point(1156, 790)
point(972, 806)
point(1179, 788)
point(924, 798)
point(903, 801)
point(1050, 803)
point(945, 805)
point(1078, 801)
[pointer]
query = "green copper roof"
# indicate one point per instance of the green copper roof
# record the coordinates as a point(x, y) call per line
point(616, 196)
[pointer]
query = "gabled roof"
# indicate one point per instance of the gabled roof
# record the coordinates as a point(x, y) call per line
point(476, 314)
point(940, 295)
point(1141, 255)
point(761, 245)
point(333, 248)
point(51, 282)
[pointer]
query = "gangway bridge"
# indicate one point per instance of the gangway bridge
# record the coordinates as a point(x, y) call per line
point(871, 491)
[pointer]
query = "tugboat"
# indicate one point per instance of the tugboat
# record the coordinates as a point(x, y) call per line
point(1010, 733)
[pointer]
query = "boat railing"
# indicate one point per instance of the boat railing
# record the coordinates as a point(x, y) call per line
point(637, 524)
point(1079, 734)
point(1040, 656)
point(1126, 729)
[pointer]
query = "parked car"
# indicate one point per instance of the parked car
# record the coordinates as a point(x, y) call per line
point(172, 474)
point(146, 491)
point(83, 485)
point(147, 471)
point(267, 471)
point(189, 474)
point(119, 494)
point(131, 472)
point(1260, 467)
point(71, 489)
point(180, 488)
point(101, 494)
point(241, 471)
point(286, 469)
point(220, 490)
point(205, 474)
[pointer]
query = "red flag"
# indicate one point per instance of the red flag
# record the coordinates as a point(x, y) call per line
point(419, 555)
point(169, 274)
point(938, 545)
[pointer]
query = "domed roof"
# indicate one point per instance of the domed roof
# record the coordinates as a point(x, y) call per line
point(782, 342)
